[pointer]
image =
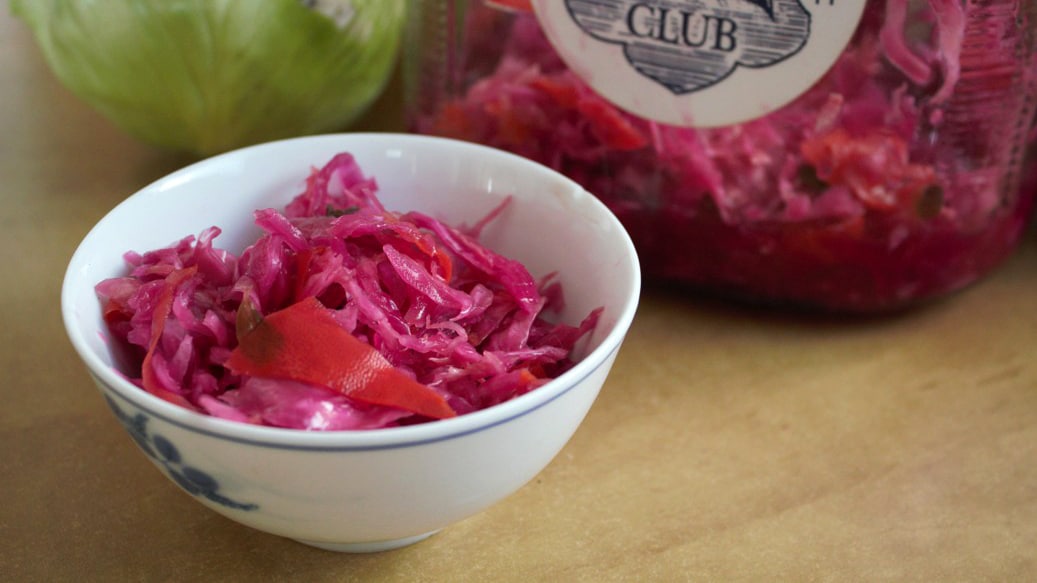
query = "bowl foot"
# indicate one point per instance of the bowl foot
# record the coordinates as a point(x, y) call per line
point(367, 547)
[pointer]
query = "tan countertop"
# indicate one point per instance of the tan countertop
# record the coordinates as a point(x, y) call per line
point(728, 444)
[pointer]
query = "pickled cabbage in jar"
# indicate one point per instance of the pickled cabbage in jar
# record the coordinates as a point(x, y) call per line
point(891, 179)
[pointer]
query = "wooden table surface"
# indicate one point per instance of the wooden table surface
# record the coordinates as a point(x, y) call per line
point(728, 444)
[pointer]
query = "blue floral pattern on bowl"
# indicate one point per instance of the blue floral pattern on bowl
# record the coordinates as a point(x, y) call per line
point(193, 480)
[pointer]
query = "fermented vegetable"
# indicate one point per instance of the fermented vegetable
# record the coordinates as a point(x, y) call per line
point(342, 315)
point(892, 180)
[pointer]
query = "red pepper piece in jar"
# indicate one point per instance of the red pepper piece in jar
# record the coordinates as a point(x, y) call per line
point(610, 126)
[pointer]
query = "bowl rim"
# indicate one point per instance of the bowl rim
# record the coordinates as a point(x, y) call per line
point(366, 439)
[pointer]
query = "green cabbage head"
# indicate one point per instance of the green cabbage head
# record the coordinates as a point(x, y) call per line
point(206, 76)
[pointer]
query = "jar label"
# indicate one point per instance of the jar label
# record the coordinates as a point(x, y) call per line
point(700, 63)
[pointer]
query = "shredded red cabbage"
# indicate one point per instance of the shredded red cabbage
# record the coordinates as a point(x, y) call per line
point(889, 181)
point(440, 307)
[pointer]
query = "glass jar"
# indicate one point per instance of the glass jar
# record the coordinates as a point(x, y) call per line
point(891, 178)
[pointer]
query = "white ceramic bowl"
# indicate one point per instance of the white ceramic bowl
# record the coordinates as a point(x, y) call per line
point(380, 489)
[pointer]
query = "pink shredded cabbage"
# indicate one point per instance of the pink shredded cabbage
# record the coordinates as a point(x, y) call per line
point(454, 315)
point(889, 181)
